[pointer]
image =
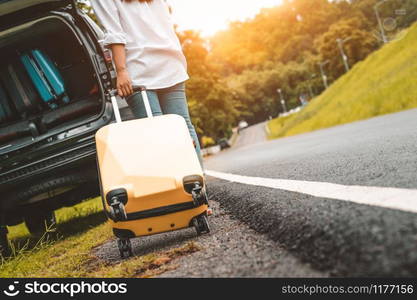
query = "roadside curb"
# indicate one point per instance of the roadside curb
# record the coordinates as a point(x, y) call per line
point(234, 138)
point(210, 151)
point(267, 130)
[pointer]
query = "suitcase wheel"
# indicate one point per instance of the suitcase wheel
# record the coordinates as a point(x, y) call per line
point(199, 195)
point(125, 248)
point(201, 225)
point(118, 212)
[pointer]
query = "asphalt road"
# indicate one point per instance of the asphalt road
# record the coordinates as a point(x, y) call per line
point(341, 237)
point(251, 136)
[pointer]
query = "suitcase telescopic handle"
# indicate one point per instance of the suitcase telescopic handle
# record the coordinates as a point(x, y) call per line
point(143, 91)
point(136, 89)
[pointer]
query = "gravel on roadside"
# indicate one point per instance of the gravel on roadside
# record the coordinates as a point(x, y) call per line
point(231, 250)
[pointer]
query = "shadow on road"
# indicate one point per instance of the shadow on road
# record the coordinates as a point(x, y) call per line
point(163, 241)
point(147, 245)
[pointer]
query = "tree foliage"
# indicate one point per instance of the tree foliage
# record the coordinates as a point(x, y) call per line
point(235, 75)
point(282, 47)
point(211, 103)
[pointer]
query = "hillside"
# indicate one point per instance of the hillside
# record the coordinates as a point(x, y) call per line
point(383, 83)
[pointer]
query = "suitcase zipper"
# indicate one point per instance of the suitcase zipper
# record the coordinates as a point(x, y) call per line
point(157, 212)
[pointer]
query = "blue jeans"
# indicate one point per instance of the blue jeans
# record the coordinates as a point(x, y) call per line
point(166, 101)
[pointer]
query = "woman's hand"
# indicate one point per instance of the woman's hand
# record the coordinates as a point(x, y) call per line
point(124, 84)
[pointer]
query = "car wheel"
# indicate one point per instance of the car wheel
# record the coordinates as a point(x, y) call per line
point(48, 184)
point(38, 224)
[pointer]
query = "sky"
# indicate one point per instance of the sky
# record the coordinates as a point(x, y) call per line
point(210, 16)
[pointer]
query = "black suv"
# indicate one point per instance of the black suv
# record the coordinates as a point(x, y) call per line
point(48, 156)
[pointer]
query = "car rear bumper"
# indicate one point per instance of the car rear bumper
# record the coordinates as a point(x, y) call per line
point(68, 159)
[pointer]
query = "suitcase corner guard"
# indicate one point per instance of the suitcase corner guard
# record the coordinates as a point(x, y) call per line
point(117, 199)
point(119, 195)
point(190, 182)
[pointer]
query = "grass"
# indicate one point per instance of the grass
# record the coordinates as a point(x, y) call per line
point(383, 83)
point(81, 229)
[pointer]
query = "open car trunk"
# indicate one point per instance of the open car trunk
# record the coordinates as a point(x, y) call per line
point(25, 116)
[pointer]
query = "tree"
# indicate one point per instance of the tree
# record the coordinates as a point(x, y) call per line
point(359, 43)
point(211, 104)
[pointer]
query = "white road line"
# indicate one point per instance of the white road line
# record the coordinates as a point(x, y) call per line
point(394, 198)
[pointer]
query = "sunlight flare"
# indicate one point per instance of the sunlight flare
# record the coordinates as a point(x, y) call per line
point(210, 16)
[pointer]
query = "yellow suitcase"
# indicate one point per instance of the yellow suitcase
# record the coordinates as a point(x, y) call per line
point(150, 176)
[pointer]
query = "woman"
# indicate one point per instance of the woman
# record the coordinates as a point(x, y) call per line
point(146, 52)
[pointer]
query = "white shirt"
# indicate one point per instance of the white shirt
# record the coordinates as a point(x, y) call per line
point(154, 56)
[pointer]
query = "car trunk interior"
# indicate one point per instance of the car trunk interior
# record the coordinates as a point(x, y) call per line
point(34, 118)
